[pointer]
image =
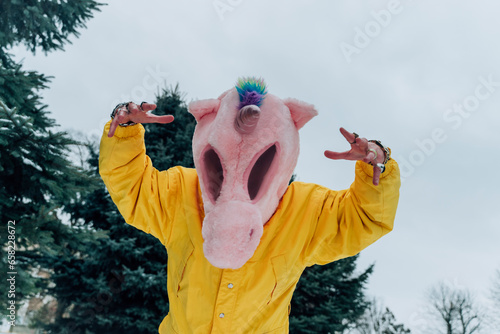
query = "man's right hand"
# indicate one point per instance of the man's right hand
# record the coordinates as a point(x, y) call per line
point(137, 114)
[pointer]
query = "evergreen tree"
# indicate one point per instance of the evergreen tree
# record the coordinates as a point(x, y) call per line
point(329, 298)
point(37, 178)
point(119, 285)
point(170, 145)
point(43, 24)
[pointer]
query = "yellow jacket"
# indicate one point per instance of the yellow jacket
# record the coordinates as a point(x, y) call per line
point(312, 225)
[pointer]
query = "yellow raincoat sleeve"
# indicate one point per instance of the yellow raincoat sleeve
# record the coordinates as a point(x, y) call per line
point(352, 219)
point(138, 189)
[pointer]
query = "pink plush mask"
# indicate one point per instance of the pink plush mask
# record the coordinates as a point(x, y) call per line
point(245, 155)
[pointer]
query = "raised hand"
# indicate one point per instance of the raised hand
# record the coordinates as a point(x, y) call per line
point(137, 114)
point(361, 149)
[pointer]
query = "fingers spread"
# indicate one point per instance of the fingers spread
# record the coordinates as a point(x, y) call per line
point(370, 156)
point(112, 128)
point(133, 108)
point(349, 136)
point(376, 175)
point(138, 114)
point(363, 143)
point(120, 117)
point(148, 106)
point(164, 119)
point(336, 155)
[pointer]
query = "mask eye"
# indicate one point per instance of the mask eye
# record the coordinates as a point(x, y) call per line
point(213, 173)
point(259, 171)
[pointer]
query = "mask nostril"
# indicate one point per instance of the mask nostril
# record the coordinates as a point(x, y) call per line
point(251, 233)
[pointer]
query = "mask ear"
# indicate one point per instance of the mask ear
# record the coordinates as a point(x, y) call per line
point(301, 112)
point(201, 108)
point(223, 95)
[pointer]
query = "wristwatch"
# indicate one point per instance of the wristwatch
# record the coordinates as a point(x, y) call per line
point(117, 108)
point(387, 153)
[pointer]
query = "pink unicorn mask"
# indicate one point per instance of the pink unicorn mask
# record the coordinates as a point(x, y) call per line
point(245, 149)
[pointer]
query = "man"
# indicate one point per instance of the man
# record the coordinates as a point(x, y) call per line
point(238, 238)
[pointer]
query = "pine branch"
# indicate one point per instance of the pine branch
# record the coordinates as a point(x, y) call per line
point(20, 122)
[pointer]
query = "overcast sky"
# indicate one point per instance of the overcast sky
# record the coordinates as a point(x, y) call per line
point(422, 76)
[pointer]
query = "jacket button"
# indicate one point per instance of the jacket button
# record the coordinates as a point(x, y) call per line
point(221, 315)
point(230, 285)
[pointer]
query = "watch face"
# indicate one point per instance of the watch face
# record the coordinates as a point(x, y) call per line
point(382, 167)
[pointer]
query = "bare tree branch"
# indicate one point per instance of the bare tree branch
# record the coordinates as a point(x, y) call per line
point(453, 310)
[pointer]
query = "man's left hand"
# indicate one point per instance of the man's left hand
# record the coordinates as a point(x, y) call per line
point(361, 149)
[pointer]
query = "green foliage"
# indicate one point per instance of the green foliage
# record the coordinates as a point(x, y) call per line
point(32, 155)
point(44, 24)
point(105, 286)
point(329, 298)
point(37, 178)
point(170, 145)
point(19, 89)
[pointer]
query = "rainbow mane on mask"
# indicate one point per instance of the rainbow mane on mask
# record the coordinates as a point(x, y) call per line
point(252, 91)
